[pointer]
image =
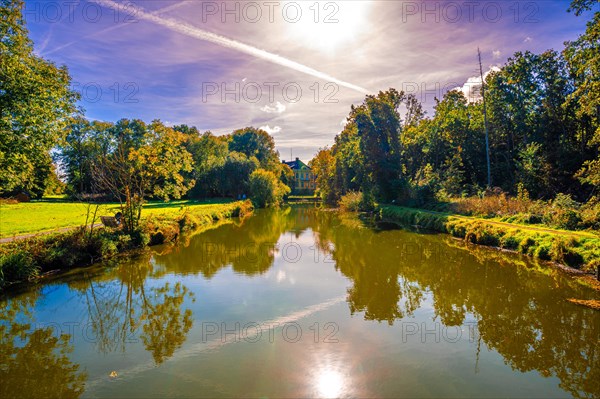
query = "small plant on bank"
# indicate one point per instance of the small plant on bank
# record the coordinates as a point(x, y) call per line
point(351, 202)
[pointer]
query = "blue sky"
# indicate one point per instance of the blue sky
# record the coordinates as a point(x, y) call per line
point(293, 68)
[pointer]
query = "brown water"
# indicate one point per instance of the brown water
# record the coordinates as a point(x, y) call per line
point(301, 303)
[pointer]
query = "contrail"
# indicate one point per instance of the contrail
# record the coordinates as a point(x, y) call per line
point(192, 31)
point(229, 338)
point(157, 12)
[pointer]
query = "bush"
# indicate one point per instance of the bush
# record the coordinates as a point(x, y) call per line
point(266, 189)
point(351, 202)
point(564, 213)
point(562, 251)
point(590, 214)
point(18, 266)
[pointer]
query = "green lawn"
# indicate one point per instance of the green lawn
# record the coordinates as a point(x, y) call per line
point(53, 213)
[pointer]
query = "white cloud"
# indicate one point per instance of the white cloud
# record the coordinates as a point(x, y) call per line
point(271, 130)
point(527, 39)
point(496, 54)
point(472, 87)
point(276, 108)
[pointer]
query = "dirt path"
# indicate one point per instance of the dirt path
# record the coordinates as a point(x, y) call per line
point(41, 233)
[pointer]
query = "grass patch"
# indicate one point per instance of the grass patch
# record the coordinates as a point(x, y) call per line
point(579, 250)
point(55, 213)
point(26, 259)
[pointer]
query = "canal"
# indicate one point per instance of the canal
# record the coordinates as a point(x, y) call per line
point(299, 302)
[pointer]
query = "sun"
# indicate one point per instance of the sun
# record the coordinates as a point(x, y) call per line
point(328, 26)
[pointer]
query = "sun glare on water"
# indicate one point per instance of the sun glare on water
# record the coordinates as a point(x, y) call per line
point(327, 26)
point(330, 384)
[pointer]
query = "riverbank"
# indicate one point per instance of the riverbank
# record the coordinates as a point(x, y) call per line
point(576, 249)
point(27, 259)
point(51, 214)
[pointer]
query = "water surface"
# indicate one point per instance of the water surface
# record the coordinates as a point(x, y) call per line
point(296, 303)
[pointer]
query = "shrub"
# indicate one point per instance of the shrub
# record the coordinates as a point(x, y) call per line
point(17, 266)
point(266, 189)
point(563, 213)
point(510, 241)
point(590, 214)
point(562, 251)
point(351, 202)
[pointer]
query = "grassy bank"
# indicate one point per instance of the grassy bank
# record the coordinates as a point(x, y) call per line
point(580, 250)
point(55, 213)
point(26, 259)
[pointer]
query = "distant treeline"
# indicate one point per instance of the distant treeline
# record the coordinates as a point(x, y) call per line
point(203, 165)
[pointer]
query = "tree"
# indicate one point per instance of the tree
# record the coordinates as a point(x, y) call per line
point(583, 59)
point(266, 189)
point(378, 125)
point(147, 161)
point(35, 102)
point(528, 103)
point(255, 143)
point(533, 170)
point(209, 153)
point(84, 144)
point(232, 178)
point(323, 166)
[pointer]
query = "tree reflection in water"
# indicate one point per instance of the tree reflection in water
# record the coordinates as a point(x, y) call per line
point(34, 362)
point(521, 307)
point(118, 308)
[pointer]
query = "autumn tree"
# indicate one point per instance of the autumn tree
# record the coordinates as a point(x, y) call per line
point(146, 161)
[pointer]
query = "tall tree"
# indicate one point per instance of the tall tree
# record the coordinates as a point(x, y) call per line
point(35, 102)
point(378, 124)
point(84, 144)
point(583, 59)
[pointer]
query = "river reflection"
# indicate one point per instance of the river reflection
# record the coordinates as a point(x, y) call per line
point(378, 312)
point(30, 356)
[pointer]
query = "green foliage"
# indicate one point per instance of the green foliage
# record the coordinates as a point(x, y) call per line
point(378, 126)
point(564, 213)
point(144, 161)
point(533, 170)
point(266, 189)
point(324, 167)
point(255, 143)
point(232, 177)
point(582, 57)
point(35, 102)
point(85, 142)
